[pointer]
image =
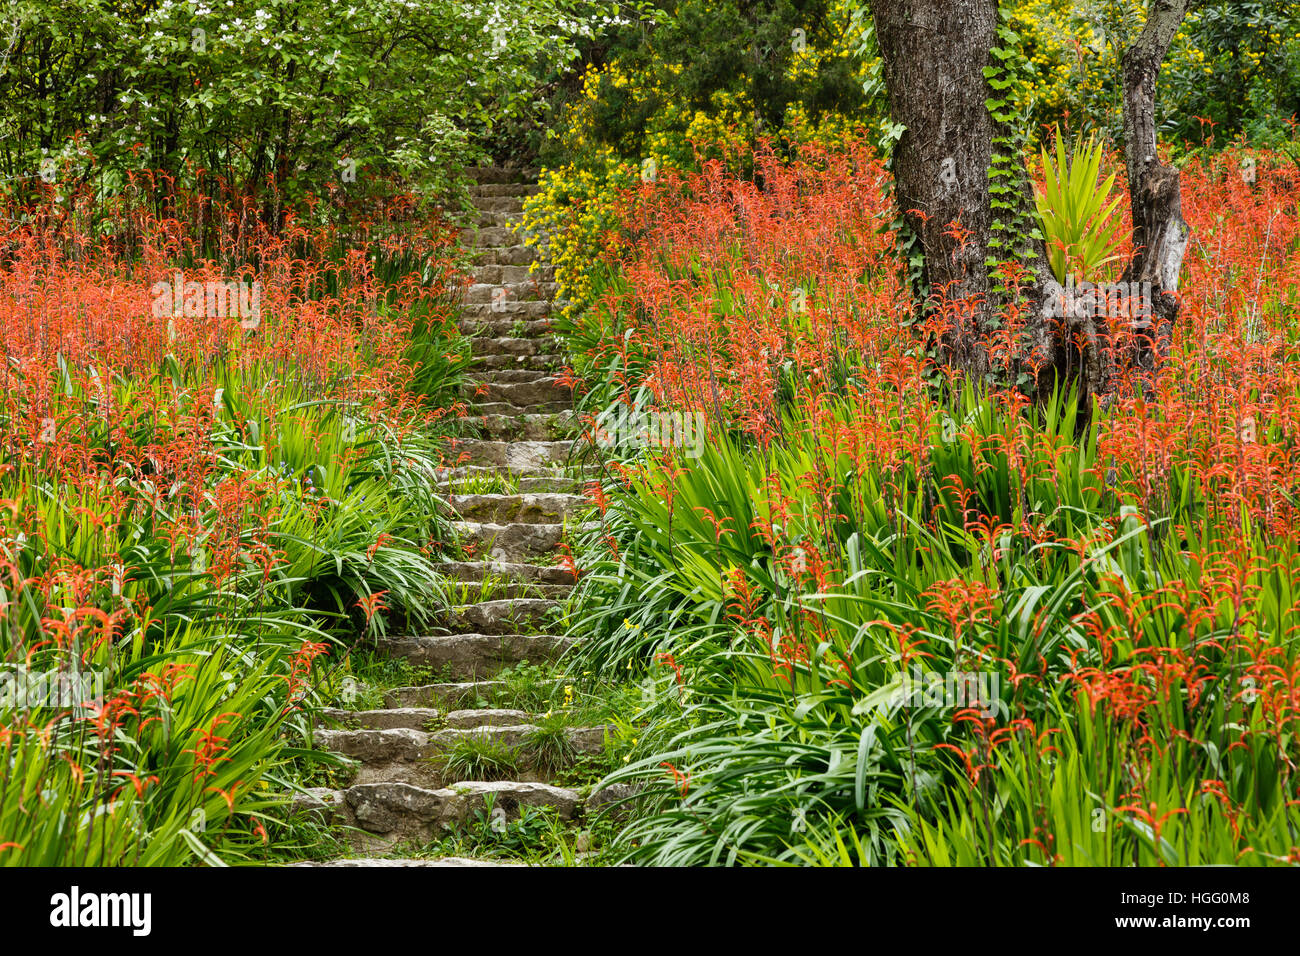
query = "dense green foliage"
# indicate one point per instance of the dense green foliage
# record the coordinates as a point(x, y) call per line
point(200, 514)
point(301, 95)
point(880, 620)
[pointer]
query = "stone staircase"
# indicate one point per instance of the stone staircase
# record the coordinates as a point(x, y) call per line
point(514, 501)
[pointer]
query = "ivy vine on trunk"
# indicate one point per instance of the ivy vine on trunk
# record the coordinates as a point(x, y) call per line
point(965, 195)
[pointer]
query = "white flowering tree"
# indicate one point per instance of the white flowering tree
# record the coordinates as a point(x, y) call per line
point(294, 93)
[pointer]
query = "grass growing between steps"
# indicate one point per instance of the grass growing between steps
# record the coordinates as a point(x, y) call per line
point(556, 700)
point(480, 758)
point(485, 483)
point(536, 837)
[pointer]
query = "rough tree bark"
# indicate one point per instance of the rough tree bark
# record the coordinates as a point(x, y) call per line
point(933, 54)
point(1160, 234)
point(933, 57)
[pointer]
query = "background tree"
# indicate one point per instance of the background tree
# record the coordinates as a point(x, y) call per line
point(945, 70)
point(298, 94)
point(693, 57)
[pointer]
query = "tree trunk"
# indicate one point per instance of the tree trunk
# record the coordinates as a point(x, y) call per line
point(1160, 235)
point(933, 56)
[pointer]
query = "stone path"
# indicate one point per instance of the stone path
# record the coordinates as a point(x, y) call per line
point(514, 501)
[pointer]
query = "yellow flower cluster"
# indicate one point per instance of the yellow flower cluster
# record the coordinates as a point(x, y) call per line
point(1073, 51)
point(573, 207)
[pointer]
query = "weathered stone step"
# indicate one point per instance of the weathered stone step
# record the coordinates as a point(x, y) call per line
point(524, 573)
point(512, 796)
point(512, 346)
point(507, 172)
point(442, 696)
point(514, 254)
point(545, 363)
point(508, 542)
point(548, 390)
point(505, 189)
point(516, 456)
point(463, 719)
point(373, 862)
point(518, 509)
point(485, 410)
point(503, 174)
point(499, 203)
point(524, 427)
point(496, 236)
point(496, 274)
point(515, 542)
point(464, 657)
point(509, 308)
point(458, 480)
point(504, 616)
point(417, 757)
point(389, 813)
point(515, 327)
point(496, 296)
point(507, 375)
point(422, 718)
point(392, 718)
point(376, 745)
point(478, 592)
point(492, 218)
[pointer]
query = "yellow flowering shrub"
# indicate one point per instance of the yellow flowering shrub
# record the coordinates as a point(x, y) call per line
point(573, 208)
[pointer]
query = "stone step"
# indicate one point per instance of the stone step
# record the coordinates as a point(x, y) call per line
point(518, 509)
point(485, 236)
point(513, 542)
point(515, 456)
point(485, 410)
point(540, 574)
point(516, 543)
point(489, 589)
point(372, 862)
point(482, 346)
point(512, 796)
point(467, 719)
point(468, 657)
point(505, 189)
point(418, 757)
point(499, 204)
point(499, 296)
point(510, 375)
point(504, 616)
point(546, 363)
point(385, 814)
point(377, 747)
point(462, 480)
point(515, 327)
point(493, 218)
point(512, 254)
point(517, 427)
point(548, 391)
point(509, 310)
point(392, 718)
point(422, 718)
point(496, 274)
point(509, 173)
point(442, 696)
